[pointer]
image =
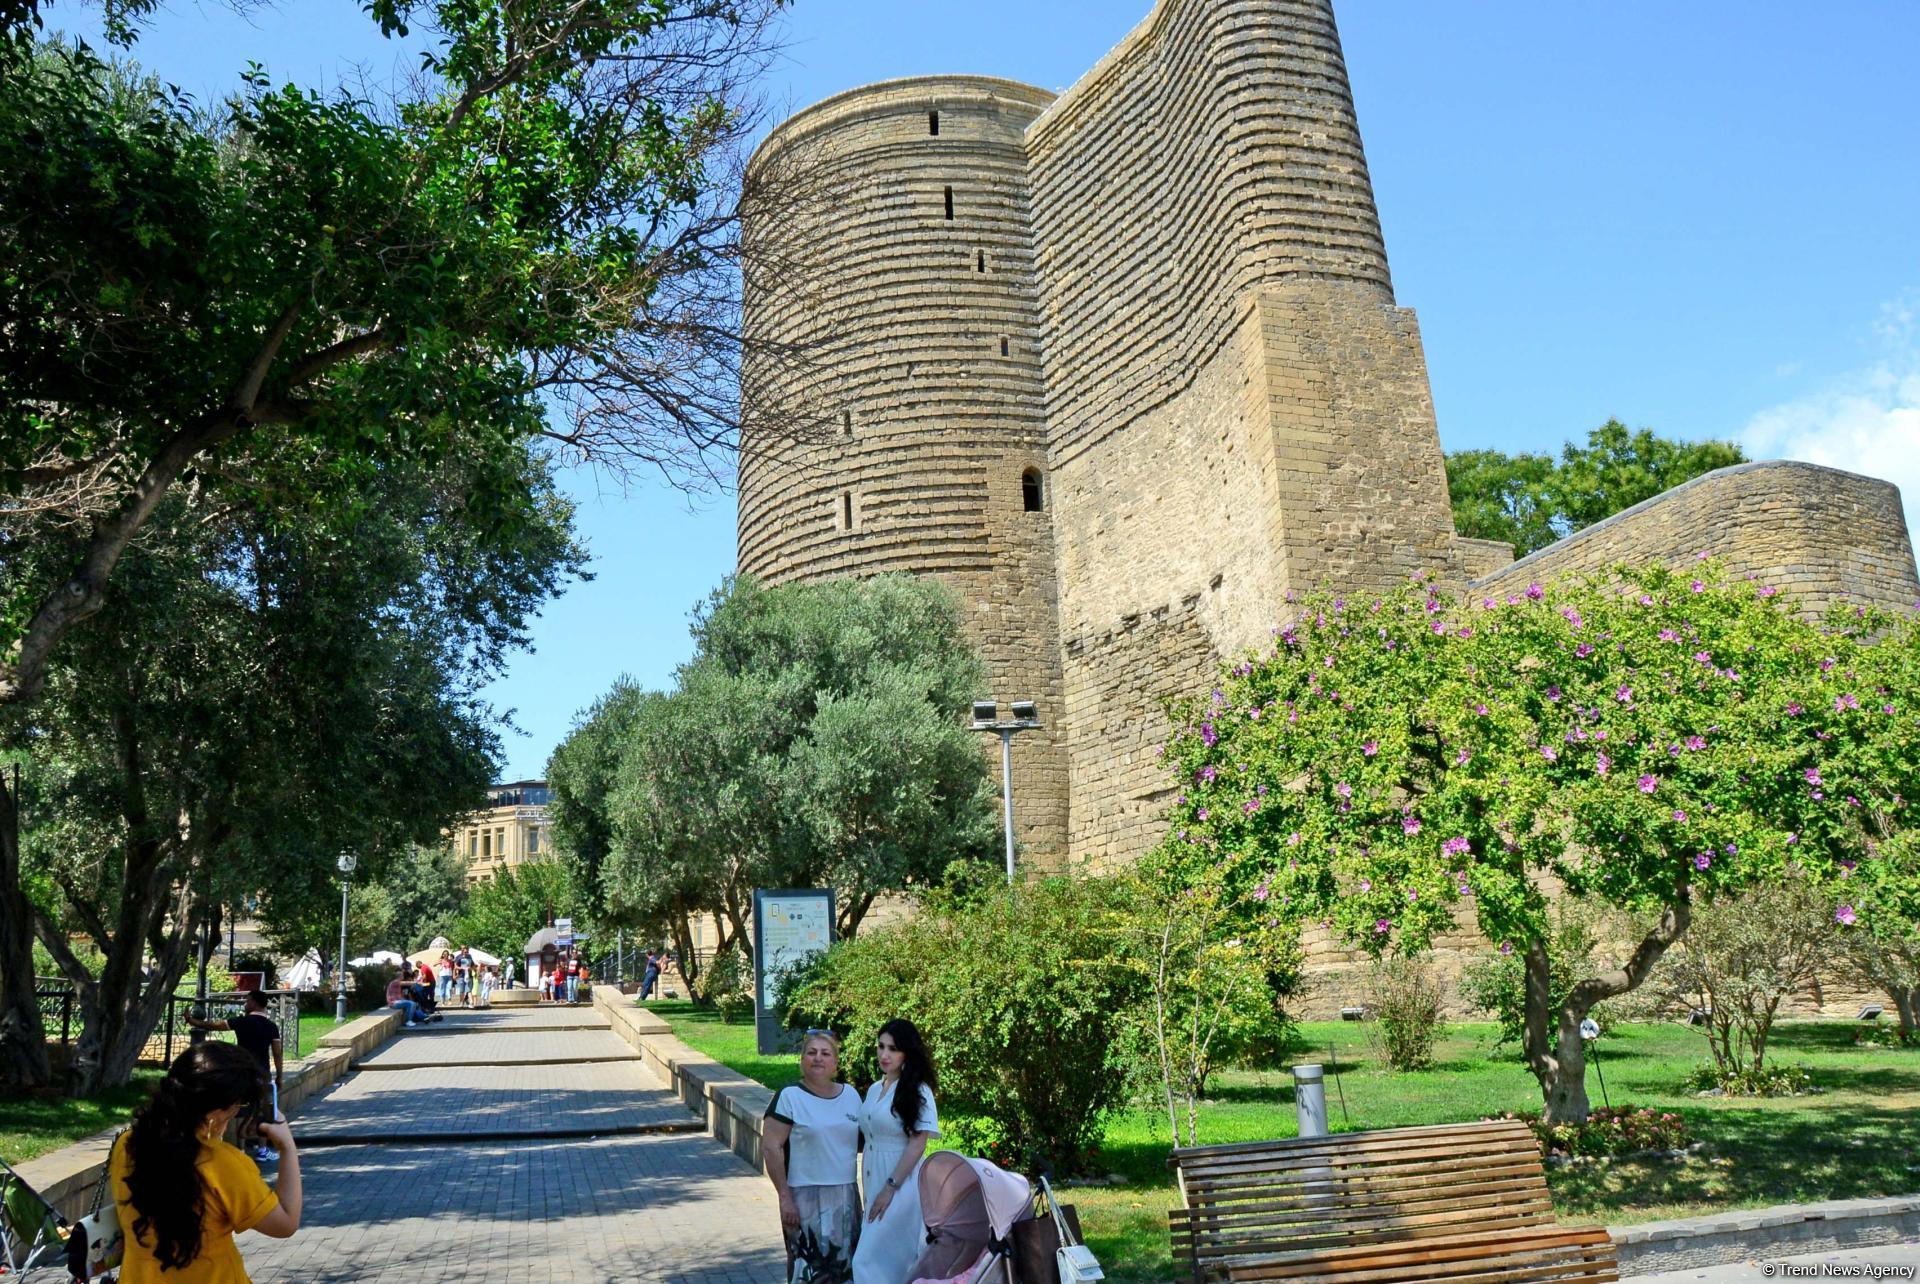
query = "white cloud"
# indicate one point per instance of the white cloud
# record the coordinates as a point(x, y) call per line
point(1866, 421)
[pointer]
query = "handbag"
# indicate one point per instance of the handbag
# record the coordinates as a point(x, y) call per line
point(1074, 1262)
point(96, 1243)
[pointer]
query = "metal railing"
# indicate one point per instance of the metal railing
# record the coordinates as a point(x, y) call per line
point(60, 1011)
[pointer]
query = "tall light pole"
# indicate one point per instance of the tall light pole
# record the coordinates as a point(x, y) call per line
point(1026, 717)
point(345, 865)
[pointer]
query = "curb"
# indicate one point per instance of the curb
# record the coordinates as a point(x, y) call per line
point(1759, 1234)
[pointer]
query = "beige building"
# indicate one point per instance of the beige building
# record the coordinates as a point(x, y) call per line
point(512, 831)
point(1124, 366)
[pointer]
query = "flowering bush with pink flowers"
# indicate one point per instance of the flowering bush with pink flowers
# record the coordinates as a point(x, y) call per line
point(1619, 1130)
point(1381, 770)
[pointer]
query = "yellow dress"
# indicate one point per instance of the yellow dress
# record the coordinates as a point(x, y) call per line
point(237, 1197)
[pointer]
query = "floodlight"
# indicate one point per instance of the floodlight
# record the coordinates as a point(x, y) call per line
point(985, 711)
point(1871, 1012)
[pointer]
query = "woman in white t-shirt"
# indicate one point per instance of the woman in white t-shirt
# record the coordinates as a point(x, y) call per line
point(898, 1120)
point(810, 1140)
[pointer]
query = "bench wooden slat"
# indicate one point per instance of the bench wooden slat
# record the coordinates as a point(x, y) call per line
point(1463, 1203)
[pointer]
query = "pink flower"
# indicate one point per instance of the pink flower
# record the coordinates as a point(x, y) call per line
point(1462, 758)
point(1844, 916)
point(1704, 657)
point(1813, 776)
point(1583, 650)
point(1370, 748)
point(1794, 709)
point(1344, 789)
point(1480, 709)
point(1207, 773)
point(1506, 947)
point(1549, 753)
point(1261, 892)
point(1410, 824)
point(1412, 897)
point(1293, 839)
point(1679, 817)
point(1624, 695)
point(1841, 703)
point(1668, 635)
point(1535, 592)
point(1648, 784)
point(1826, 665)
point(1380, 926)
point(1457, 846)
point(1698, 587)
point(1201, 814)
point(1768, 591)
point(1366, 884)
point(1696, 743)
point(1250, 806)
point(1602, 764)
point(1703, 860)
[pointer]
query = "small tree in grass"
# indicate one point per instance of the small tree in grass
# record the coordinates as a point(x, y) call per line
point(1392, 760)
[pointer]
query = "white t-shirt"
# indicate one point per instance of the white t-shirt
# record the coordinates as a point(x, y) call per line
point(826, 1135)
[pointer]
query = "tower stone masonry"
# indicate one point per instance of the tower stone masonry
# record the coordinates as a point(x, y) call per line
point(1124, 367)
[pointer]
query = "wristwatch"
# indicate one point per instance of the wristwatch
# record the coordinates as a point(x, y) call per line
point(892, 1184)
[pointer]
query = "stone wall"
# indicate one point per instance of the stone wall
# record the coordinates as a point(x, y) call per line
point(918, 403)
point(1817, 533)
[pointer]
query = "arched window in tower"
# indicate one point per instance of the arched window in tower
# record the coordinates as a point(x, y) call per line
point(933, 123)
point(1033, 496)
point(948, 192)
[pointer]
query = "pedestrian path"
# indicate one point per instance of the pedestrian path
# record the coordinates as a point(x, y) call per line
point(530, 1145)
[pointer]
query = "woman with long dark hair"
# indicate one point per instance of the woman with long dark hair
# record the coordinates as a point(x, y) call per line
point(897, 1119)
point(182, 1192)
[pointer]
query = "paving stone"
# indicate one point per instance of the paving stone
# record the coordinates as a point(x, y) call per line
point(451, 1043)
point(451, 1101)
point(678, 1210)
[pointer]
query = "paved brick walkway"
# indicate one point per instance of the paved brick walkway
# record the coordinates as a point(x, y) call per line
point(512, 1203)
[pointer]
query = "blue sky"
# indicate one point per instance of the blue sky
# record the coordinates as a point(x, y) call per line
point(1699, 218)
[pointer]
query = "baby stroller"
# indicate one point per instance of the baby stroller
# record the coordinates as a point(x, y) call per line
point(969, 1207)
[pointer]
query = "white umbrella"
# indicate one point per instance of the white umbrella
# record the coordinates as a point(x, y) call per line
point(483, 958)
point(378, 956)
point(304, 975)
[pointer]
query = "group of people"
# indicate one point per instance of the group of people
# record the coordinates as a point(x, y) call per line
point(812, 1140)
point(411, 993)
point(562, 982)
point(461, 976)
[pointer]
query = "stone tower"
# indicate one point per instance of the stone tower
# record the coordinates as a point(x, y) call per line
point(919, 317)
point(1125, 368)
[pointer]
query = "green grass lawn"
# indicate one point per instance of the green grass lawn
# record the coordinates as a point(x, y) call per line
point(1859, 1138)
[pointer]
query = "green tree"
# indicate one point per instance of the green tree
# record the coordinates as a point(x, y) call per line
point(1531, 500)
point(269, 694)
point(305, 286)
point(503, 912)
point(582, 775)
point(815, 739)
point(1392, 761)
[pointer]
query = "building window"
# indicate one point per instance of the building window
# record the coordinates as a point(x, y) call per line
point(473, 846)
point(486, 843)
point(1003, 345)
point(949, 202)
point(1032, 497)
point(846, 510)
point(533, 841)
point(980, 260)
point(933, 123)
point(846, 422)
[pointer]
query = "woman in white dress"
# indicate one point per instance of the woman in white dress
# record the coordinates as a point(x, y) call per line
point(809, 1140)
point(897, 1119)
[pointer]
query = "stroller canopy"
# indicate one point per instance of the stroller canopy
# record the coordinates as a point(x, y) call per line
point(967, 1204)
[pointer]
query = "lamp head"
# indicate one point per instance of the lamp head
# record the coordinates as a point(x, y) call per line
point(1026, 713)
point(346, 863)
point(985, 712)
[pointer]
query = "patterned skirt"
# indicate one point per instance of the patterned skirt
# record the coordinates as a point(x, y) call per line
point(821, 1250)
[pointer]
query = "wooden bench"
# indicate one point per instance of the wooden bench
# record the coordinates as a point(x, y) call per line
point(1462, 1202)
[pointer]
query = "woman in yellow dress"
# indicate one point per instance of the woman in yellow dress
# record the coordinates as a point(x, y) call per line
point(182, 1192)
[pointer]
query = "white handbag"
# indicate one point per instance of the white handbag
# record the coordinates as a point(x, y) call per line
point(1076, 1262)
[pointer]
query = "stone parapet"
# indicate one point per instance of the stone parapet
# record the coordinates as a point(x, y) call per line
point(731, 1104)
point(1757, 1234)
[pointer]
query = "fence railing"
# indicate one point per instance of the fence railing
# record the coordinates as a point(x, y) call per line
point(60, 1017)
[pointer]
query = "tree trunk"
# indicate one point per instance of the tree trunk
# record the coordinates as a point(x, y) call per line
point(1551, 1040)
point(1905, 1001)
point(23, 1039)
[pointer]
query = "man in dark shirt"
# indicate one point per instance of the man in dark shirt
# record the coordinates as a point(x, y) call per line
point(255, 1031)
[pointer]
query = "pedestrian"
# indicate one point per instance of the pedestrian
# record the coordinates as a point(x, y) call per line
point(408, 1008)
point(463, 976)
point(650, 977)
point(573, 978)
point(182, 1193)
point(809, 1139)
point(506, 974)
point(257, 1034)
point(897, 1120)
point(546, 985)
point(426, 977)
point(486, 987)
point(446, 976)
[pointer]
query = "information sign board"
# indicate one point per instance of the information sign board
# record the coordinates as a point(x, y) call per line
point(790, 926)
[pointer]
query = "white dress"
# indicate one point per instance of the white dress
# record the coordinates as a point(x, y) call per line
point(889, 1247)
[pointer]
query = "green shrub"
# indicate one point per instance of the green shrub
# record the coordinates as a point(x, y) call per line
point(1407, 1010)
point(727, 986)
point(1022, 1001)
point(1751, 1081)
point(1620, 1130)
point(369, 989)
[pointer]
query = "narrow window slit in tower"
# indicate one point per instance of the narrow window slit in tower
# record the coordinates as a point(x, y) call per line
point(1032, 498)
point(846, 509)
point(1003, 345)
point(933, 123)
point(949, 202)
point(980, 260)
point(846, 422)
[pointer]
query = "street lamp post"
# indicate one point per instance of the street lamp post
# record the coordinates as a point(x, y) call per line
point(345, 865)
point(1026, 717)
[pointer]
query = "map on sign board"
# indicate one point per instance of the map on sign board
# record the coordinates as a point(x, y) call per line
point(563, 932)
point(795, 928)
